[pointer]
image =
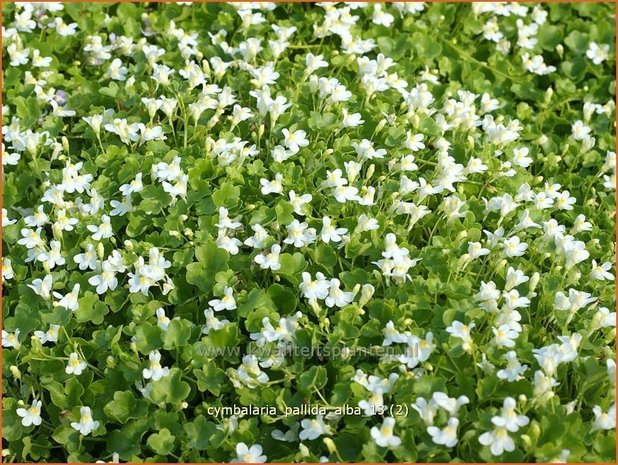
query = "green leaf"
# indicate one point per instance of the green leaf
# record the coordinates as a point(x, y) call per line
point(162, 442)
point(91, 309)
point(314, 378)
point(226, 196)
point(177, 334)
point(120, 408)
point(292, 266)
point(211, 260)
point(170, 389)
point(325, 256)
point(210, 378)
point(199, 432)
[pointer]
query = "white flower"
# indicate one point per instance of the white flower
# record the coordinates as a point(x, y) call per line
point(40, 61)
point(212, 322)
point(116, 71)
point(414, 142)
point(88, 259)
point(75, 365)
point(498, 441)
point(603, 318)
point(520, 157)
point(331, 233)
point(504, 336)
point(514, 370)
point(297, 201)
point(365, 149)
point(155, 371)
point(294, 140)
point(51, 335)
point(450, 404)
point(134, 186)
point(426, 410)
point(42, 287)
point(11, 339)
point(53, 256)
point(32, 415)
point(513, 247)
point(103, 231)
point(245, 454)
point(462, 331)
point(508, 418)
point(351, 120)
point(225, 222)
point(227, 302)
point(580, 131)
point(366, 223)
point(337, 297)
point(446, 436)
point(31, 239)
point(383, 436)
point(597, 53)
point(314, 289)
point(374, 405)
point(7, 269)
point(105, 280)
point(86, 424)
point(391, 334)
point(271, 259)
point(314, 62)
point(257, 240)
point(601, 271)
point(602, 420)
point(313, 429)
point(299, 234)
point(476, 250)
point(514, 278)
point(272, 187)
point(382, 17)
point(162, 320)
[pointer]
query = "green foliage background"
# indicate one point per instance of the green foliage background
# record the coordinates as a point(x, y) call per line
point(443, 37)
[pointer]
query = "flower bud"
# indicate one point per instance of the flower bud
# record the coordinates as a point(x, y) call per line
point(371, 170)
point(366, 294)
point(57, 231)
point(381, 125)
point(100, 250)
point(15, 372)
point(560, 50)
point(534, 280)
point(330, 445)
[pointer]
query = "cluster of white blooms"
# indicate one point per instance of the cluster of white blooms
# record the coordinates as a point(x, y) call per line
point(328, 290)
point(377, 388)
point(348, 195)
point(396, 262)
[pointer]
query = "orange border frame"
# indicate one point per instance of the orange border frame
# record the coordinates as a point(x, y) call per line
point(307, 1)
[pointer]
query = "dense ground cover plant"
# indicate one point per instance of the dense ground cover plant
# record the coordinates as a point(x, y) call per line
point(406, 209)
